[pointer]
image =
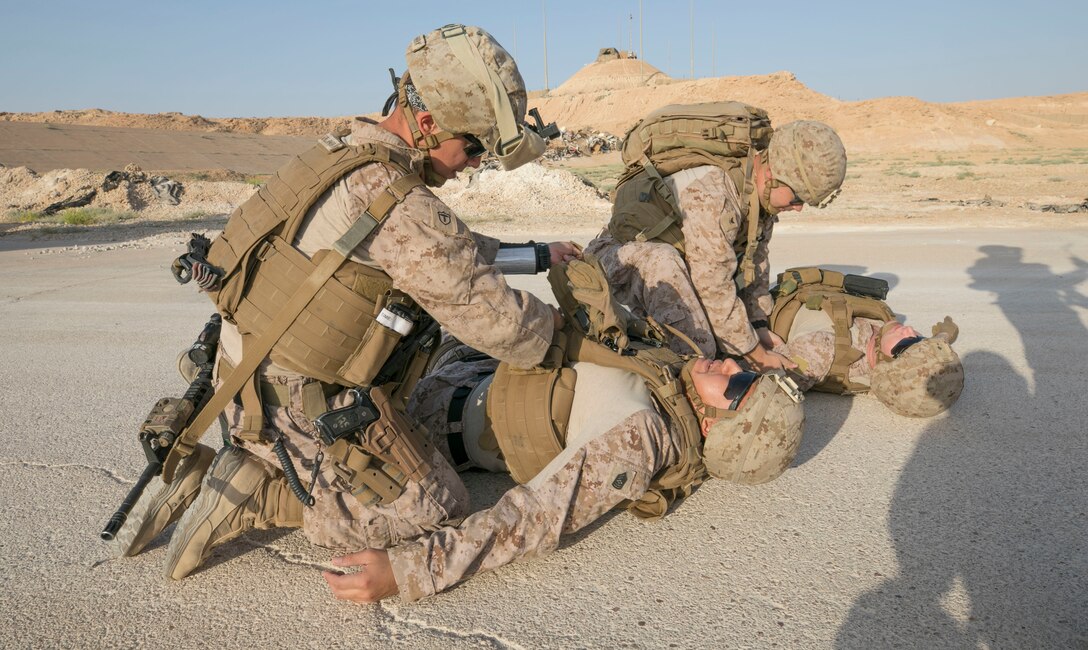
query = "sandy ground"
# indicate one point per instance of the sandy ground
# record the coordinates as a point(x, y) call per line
point(967, 530)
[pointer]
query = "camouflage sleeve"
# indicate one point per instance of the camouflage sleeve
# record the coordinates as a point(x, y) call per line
point(575, 489)
point(711, 223)
point(757, 296)
point(488, 247)
point(813, 353)
point(433, 257)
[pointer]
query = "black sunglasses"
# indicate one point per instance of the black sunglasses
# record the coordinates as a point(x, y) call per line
point(473, 147)
point(796, 199)
point(901, 347)
point(739, 385)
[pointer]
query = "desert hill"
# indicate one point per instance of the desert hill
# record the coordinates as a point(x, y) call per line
point(612, 94)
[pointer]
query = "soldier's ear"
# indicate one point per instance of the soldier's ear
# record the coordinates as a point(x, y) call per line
point(426, 122)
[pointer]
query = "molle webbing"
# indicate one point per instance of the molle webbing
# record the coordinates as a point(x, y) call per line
point(279, 207)
point(815, 288)
point(365, 360)
point(529, 411)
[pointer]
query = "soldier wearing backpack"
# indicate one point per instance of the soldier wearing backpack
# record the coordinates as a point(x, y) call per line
point(845, 339)
point(693, 217)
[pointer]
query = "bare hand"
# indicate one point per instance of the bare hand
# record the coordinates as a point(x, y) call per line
point(764, 360)
point(372, 582)
point(564, 251)
point(768, 338)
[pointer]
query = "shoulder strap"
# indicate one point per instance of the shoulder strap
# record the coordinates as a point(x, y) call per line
point(378, 210)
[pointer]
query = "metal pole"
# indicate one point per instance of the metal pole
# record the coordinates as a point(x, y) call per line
point(544, 13)
point(641, 56)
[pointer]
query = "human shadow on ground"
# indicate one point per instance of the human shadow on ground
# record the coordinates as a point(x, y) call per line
point(988, 517)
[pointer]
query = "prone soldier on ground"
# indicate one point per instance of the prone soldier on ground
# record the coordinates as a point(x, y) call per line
point(693, 215)
point(621, 422)
point(844, 338)
point(331, 282)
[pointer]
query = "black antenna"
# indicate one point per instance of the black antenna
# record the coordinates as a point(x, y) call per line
point(392, 99)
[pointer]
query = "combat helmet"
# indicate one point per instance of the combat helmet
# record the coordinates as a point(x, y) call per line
point(810, 158)
point(922, 381)
point(471, 86)
point(757, 441)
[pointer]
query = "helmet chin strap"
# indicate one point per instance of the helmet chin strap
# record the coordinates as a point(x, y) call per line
point(421, 141)
point(768, 185)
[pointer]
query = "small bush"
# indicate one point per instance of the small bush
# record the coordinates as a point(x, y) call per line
point(92, 216)
point(962, 176)
point(22, 216)
point(194, 215)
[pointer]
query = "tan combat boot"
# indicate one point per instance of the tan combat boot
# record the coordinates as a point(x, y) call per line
point(154, 512)
point(240, 493)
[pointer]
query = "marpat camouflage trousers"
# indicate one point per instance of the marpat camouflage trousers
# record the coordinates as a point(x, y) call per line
point(338, 520)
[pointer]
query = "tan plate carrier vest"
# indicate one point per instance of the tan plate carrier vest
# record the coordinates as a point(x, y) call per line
point(679, 137)
point(315, 316)
point(529, 409)
point(815, 288)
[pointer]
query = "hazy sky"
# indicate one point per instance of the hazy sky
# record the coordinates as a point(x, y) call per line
point(329, 58)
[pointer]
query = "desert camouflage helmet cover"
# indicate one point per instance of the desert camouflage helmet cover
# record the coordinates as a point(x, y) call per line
point(926, 379)
point(810, 158)
point(761, 439)
point(471, 85)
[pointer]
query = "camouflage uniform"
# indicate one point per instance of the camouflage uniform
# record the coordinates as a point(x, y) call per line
point(432, 256)
point(814, 351)
point(697, 294)
point(575, 489)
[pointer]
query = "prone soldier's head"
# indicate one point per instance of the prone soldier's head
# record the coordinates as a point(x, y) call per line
point(462, 86)
point(807, 163)
point(752, 423)
point(913, 375)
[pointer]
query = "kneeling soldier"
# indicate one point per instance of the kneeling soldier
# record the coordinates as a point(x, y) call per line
point(620, 423)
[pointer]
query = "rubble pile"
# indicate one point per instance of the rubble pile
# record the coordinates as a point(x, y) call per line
point(582, 142)
point(127, 190)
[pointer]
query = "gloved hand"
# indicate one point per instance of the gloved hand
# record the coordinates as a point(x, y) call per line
point(589, 286)
point(950, 330)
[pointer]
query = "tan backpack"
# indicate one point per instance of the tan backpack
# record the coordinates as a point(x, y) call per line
point(678, 137)
point(842, 298)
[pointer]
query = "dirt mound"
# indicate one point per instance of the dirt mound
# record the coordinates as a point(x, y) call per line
point(299, 126)
point(613, 74)
point(530, 193)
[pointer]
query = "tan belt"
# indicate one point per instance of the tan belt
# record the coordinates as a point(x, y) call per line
point(315, 396)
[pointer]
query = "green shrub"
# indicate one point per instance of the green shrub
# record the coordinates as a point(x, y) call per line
point(92, 216)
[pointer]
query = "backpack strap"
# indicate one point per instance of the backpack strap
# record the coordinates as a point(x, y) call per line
point(838, 308)
point(371, 218)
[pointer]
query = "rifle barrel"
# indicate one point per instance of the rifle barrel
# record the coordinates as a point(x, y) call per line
point(118, 519)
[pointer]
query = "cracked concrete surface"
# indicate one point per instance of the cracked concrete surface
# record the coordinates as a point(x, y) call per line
point(963, 531)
